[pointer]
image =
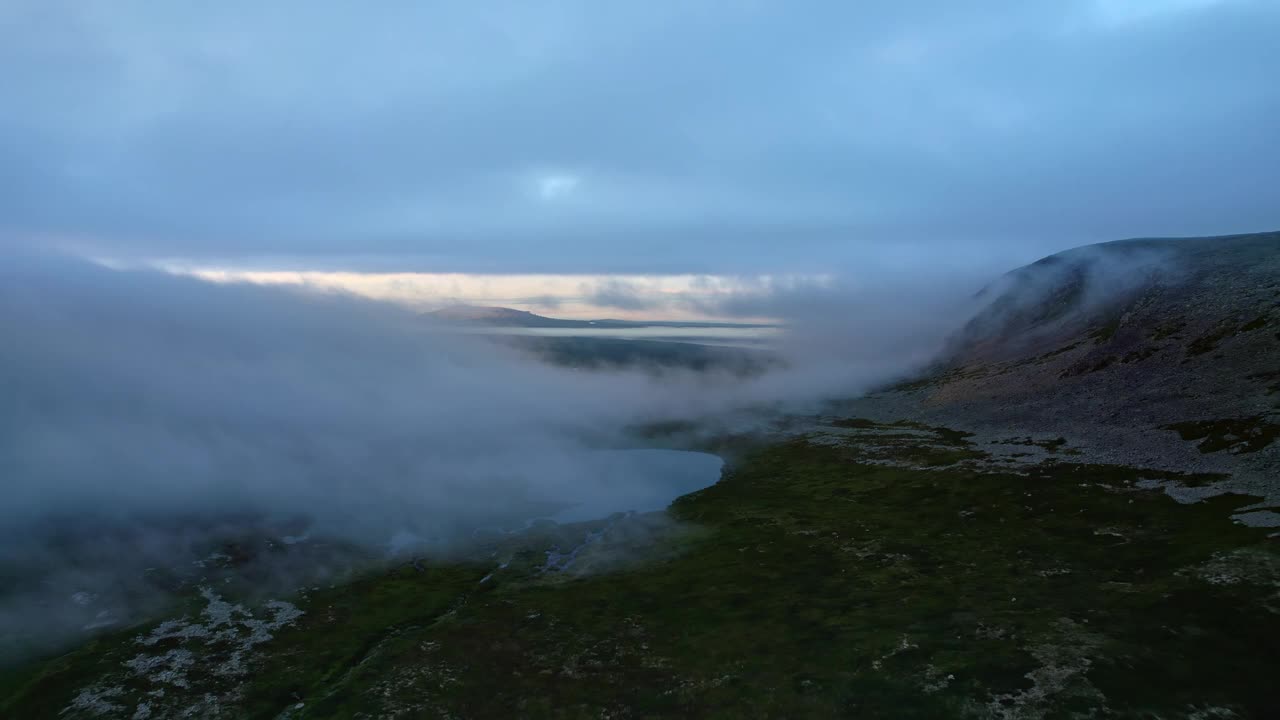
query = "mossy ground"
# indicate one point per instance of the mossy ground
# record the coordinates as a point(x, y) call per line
point(1210, 341)
point(807, 583)
point(1238, 435)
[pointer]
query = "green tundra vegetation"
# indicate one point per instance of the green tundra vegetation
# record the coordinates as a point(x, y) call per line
point(887, 572)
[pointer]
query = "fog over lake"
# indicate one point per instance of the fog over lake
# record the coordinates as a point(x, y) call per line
point(641, 480)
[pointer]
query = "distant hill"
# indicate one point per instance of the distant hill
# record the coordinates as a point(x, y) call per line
point(499, 316)
point(510, 317)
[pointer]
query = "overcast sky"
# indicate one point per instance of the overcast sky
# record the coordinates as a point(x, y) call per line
point(735, 136)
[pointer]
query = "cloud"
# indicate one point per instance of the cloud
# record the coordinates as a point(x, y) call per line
point(861, 328)
point(149, 415)
point(549, 303)
point(718, 137)
point(622, 295)
point(140, 389)
point(557, 185)
point(1116, 13)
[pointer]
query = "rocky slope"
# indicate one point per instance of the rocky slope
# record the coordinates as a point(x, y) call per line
point(1148, 353)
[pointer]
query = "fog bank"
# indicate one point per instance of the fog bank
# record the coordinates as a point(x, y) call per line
point(147, 414)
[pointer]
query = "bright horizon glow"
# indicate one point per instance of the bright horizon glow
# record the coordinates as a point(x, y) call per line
point(572, 296)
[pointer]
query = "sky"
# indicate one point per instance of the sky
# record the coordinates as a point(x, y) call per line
point(597, 143)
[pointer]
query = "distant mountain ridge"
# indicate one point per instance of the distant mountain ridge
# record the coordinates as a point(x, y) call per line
point(510, 317)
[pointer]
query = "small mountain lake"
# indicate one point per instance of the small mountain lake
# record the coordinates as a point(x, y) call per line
point(641, 480)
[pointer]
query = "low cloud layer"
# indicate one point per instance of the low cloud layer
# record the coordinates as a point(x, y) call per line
point(138, 389)
point(146, 413)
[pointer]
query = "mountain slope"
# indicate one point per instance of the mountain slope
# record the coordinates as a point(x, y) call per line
point(1159, 353)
